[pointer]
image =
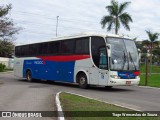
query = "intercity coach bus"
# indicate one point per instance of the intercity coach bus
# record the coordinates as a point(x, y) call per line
point(86, 59)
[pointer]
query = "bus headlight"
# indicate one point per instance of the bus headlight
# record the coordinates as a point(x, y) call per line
point(115, 76)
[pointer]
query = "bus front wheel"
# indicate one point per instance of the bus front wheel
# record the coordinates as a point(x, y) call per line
point(83, 81)
point(29, 76)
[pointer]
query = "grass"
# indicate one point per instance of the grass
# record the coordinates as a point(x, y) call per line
point(155, 69)
point(7, 70)
point(91, 107)
point(153, 79)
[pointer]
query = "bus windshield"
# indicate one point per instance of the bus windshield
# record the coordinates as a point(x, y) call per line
point(124, 54)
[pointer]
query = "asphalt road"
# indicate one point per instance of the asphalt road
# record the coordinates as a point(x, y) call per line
point(18, 94)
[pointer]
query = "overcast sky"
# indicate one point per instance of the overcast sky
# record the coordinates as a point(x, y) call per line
point(38, 18)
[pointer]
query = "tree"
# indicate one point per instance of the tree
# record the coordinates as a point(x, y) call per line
point(145, 46)
point(6, 48)
point(7, 31)
point(156, 53)
point(116, 16)
point(153, 37)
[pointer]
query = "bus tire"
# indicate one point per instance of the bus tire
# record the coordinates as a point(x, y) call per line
point(108, 87)
point(29, 76)
point(82, 79)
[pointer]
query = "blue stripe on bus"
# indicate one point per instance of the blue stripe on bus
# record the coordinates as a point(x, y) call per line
point(50, 70)
point(126, 75)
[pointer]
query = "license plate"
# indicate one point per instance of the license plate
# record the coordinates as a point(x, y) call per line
point(128, 82)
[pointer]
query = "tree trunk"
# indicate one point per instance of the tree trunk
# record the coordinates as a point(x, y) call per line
point(151, 58)
point(116, 26)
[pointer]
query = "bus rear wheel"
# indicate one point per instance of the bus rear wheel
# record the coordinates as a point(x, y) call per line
point(82, 79)
point(108, 87)
point(29, 76)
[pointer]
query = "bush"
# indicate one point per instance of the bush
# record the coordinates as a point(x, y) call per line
point(2, 67)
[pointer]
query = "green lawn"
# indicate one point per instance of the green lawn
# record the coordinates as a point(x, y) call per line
point(155, 69)
point(153, 80)
point(91, 107)
point(7, 70)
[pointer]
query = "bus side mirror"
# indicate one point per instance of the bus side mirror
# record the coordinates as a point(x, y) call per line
point(139, 53)
point(109, 50)
point(108, 46)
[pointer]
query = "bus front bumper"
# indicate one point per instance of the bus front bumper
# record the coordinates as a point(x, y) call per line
point(128, 82)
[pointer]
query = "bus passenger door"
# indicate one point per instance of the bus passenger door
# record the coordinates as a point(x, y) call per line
point(94, 76)
point(103, 66)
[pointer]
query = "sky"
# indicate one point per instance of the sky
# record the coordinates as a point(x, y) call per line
point(38, 18)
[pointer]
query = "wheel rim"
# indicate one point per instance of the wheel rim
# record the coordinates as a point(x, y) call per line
point(82, 80)
point(29, 76)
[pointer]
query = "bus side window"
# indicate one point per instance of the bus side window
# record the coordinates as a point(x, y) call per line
point(18, 51)
point(54, 48)
point(82, 46)
point(67, 46)
point(25, 51)
point(103, 58)
point(32, 50)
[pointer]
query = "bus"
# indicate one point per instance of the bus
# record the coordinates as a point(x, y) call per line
point(85, 59)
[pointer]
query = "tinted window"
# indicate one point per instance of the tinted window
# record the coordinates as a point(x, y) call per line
point(54, 48)
point(17, 51)
point(50, 47)
point(82, 46)
point(73, 46)
point(96, 44)
point(33, 50)
point(25, 50)
point(43, 48)
point(67, 46)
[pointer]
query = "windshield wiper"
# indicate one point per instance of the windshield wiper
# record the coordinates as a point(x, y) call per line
point(132, 60)
point(124, 56)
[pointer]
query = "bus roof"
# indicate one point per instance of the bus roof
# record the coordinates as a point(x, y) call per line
point(86, 34)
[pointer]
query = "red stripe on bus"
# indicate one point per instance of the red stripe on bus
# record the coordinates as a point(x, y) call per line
point(64, 58)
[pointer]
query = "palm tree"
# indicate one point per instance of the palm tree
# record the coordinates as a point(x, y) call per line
point(153, 37)
point(116, 16)
point(145, 46)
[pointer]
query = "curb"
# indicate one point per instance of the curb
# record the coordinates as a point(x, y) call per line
point(61, 114)
point(104, 101)
point(148, 87)
point(59, 108)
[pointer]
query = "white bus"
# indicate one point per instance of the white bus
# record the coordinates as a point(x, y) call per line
point(86, 59)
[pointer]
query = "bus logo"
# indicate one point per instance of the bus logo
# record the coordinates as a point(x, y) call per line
point(38, 62)
point(6, 114)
